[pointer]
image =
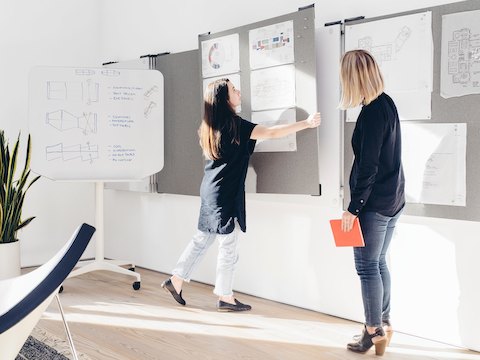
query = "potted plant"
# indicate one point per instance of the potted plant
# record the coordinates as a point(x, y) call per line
point(12, 195)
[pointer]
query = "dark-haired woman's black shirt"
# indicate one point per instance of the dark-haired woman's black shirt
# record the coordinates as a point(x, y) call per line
point(377, 182)
point(222, 190)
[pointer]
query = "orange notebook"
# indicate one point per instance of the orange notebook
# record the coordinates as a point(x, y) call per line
point(353, 237)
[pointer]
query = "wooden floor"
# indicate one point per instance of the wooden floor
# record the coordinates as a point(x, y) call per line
point(109, 320)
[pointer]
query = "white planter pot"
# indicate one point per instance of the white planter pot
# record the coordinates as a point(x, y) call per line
point(9, 260)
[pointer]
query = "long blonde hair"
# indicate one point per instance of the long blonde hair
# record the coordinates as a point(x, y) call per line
point(361, 79)
point(218, 118)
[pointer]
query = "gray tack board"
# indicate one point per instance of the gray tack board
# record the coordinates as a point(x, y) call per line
point(183, 168)
point(284, 172)
point(464, 109)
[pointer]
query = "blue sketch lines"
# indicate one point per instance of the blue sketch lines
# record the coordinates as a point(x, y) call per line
point(63, 120)
point(388, 51)
point(464, 57)
point(86, 91)
point(85, 152)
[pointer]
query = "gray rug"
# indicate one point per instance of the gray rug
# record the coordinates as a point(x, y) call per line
point(34, 349)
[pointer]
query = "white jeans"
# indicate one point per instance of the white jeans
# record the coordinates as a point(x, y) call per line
point(226, 261)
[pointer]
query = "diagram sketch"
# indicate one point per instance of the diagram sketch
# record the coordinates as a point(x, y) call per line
point(272, 45)
point(273, 88)
point(63, 120)
point(86, 91)
point(220, 56)
point(388, 51)
point(460, 70)
point(80, 152)
point(401, 45)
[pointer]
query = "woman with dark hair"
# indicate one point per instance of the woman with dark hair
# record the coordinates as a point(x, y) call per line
point(227, 142)
point(376, 187)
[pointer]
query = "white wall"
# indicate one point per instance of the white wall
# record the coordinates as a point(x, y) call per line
point(56, 33)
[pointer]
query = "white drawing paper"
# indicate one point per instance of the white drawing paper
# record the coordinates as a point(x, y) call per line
point(271, 45)
point(434, 161)
point(403, 48)
point(220, 56)
point(273, 88)
point(460, 63)
point(272, 118)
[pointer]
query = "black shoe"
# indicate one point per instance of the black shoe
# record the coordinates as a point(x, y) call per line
point(367, 340)
point(238, 306)
point(388, 333)
point(169, 288)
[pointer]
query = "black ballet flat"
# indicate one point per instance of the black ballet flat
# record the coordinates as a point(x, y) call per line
point(378, 338)
point(169, 288)
point(238, 306)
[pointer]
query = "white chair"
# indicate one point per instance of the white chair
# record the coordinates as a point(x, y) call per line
point(23, 299)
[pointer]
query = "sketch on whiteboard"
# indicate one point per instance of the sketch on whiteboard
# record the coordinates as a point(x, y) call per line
point(150, 91)
point(148, 109)
point(58, 151)
point(63, 120)
point(86, 91)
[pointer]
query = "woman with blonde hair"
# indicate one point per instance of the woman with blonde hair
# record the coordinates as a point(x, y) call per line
point(376, 188)
point(227, 142)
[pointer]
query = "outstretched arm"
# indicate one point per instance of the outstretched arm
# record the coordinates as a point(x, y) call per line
point(277, 131)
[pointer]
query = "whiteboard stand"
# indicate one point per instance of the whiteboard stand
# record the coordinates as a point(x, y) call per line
point(100, 263)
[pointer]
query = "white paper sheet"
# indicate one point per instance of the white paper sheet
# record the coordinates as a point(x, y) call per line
point(273, 88)
point(271, 45)
point(434, 161)
point(271, 118)
point(220, 56)
point(403, 48)
point(460, 64)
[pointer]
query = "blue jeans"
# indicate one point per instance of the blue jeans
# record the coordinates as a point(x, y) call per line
point(226, 261)
point(372, 267)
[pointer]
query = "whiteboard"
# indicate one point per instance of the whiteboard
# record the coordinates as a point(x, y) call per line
point(96, 124)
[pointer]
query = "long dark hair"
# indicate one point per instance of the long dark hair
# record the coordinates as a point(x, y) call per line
point(219, 117)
